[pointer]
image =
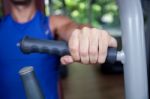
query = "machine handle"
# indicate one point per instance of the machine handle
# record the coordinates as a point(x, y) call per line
point(30, 83)
point(32, 45)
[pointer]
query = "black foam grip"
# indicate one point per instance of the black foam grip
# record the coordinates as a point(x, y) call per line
point(60, 48)
point(31, 45)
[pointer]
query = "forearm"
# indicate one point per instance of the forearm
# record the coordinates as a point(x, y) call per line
point(63, 27)
point(88, 45)
point(65, 33)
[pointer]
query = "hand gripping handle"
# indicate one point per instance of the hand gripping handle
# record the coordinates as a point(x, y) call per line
point(32, 45)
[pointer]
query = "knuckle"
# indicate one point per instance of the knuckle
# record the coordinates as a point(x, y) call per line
point(75, 33)
point(94, 29)
point(73, 49)
point(84, 53)
point(93, 52)
point(85, 28)
point(104, 32)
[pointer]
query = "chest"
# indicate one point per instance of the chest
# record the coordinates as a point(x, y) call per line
point(11, 35)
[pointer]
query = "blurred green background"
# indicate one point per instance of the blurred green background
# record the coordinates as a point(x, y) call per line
point(98, 13)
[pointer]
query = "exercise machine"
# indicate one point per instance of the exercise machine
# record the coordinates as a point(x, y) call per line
point(132, 55)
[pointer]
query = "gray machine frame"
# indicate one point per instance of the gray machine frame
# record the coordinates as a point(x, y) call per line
point(133, 41)
point(133, 54)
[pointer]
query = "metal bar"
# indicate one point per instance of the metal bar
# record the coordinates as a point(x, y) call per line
point(146, 8)
point(31, 84)
point(135, 68)
point(120, 56)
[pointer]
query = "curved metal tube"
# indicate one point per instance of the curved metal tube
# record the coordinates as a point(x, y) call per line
point(135, 67)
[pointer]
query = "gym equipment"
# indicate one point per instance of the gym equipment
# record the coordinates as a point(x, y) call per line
point(133, 54)
point(31, 85)
point(146, 9)
point(32, 45)
point(60, 48)
point(133, 41)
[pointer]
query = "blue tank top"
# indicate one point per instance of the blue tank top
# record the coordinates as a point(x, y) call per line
point(12, 59)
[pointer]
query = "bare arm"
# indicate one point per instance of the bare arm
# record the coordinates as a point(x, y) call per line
point(86, 44)
point(62, 27)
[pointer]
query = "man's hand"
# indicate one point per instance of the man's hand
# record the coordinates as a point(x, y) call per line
point(88, 46)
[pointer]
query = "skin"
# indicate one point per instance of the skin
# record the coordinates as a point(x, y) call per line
point(86, 44)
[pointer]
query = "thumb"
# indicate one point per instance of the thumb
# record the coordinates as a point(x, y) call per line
point(65, 60)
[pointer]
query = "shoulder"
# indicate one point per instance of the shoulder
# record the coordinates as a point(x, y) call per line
point(5, 18)
point(5, 21)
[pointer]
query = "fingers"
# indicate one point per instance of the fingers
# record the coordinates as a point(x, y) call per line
point(89, 46)
point(103, 46)
point(84, 45)
point(93, 49)
point(74, 45)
